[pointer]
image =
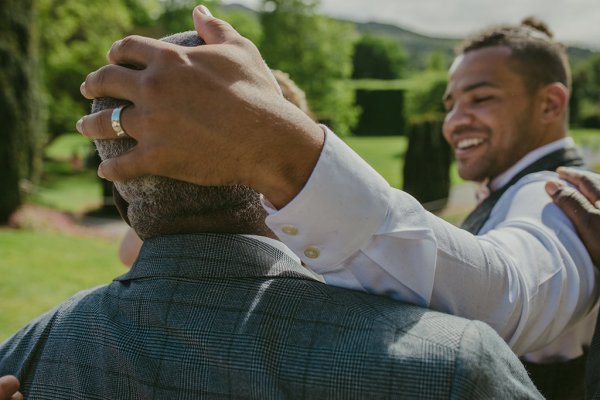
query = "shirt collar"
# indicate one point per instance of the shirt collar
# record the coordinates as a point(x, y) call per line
point(529, 159)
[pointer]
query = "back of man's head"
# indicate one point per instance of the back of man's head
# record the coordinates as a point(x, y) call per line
point(160, 206)
point(538, 58)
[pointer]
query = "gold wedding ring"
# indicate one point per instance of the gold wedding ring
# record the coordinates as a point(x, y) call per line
point(115, 121)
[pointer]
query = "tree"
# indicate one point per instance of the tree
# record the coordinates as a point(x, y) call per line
point(437, 61)
point(378, 57)
point(21, 111)
point(246, 24)
point(176, 15)
point(76, 37)
point(316, 52)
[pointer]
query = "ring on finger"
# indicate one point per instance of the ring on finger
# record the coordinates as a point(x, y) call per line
point(115, 121)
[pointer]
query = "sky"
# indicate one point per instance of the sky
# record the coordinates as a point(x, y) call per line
point(575, 22)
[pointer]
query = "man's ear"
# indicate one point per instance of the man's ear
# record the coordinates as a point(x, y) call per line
point(554, 102)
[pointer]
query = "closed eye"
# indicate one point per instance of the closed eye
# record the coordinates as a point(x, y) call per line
point(482, 99)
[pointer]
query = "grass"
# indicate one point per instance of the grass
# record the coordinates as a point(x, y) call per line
point(384, 153)
point(61, 187)
point(42, 269)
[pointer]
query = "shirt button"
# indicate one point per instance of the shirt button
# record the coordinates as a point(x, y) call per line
point(312, 252)
point(289, 230)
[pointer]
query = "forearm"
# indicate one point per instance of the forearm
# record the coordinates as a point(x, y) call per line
point(295, 144)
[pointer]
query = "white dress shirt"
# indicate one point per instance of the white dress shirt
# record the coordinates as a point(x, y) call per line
point(527, 275)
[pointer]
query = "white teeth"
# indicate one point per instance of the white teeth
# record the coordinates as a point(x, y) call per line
point(463, 144)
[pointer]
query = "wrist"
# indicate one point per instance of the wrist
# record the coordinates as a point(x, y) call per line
point(296, 149)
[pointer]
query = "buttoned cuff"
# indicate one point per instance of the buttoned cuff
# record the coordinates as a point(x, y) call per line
point(337, 212)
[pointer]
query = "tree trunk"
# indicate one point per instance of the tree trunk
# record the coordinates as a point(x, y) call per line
point(20, 104)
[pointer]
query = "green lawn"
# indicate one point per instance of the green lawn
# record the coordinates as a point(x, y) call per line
point(42, 269)
point(61, 187)
point(384, 153)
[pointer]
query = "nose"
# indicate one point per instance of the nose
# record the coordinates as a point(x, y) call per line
point(456, 116)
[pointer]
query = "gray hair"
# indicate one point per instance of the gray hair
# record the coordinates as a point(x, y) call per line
point(159, 205)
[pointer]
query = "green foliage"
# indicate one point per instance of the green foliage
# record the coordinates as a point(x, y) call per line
point(176, 15)
point(244, 23)
point(316, 52)
point(585, 98)
point(378, 57)
point(424, 101)
point(427, 162)
point(21, 111)
point(437, 61)
point(382, 112)
point(76, 36)
point(428, 157)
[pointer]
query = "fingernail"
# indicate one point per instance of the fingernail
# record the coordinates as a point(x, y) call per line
point(204, 10)
point(82, 89)
point(100, 174)
point(552, 187)
point(79, 125)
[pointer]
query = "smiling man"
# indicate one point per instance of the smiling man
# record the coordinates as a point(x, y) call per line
point(521, 267)
point(507, 118)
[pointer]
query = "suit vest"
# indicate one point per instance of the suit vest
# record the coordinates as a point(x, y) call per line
point(564, 380)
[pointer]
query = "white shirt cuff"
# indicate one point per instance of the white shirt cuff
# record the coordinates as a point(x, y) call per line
point(337, 212)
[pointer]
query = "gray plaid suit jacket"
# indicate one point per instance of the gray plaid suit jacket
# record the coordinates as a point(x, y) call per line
point(228, 317)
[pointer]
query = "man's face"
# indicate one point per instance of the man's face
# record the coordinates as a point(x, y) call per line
point(490, 121)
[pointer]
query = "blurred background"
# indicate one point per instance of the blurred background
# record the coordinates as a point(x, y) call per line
point(376, 75)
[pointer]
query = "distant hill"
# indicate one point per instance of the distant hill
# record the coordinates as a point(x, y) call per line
point(417, 45)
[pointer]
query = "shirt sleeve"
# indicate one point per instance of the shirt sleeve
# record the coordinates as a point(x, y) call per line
point(342, 227)
point(350, 226)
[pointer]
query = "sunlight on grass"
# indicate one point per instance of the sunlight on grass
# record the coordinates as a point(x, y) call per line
point(40, 270)
point(384, 153)
point(62, 187)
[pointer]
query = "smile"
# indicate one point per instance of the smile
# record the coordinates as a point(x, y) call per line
point(467, 143)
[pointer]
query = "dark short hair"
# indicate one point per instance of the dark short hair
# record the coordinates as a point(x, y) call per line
point(535, 55)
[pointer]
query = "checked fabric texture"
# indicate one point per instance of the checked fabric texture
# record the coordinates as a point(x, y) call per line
point(228, 317)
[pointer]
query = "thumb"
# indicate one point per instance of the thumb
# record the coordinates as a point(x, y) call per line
point(211, 29)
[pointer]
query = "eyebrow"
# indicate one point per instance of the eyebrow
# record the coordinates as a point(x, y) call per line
point(471, 87)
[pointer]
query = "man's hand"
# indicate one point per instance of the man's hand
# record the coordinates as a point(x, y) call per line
point(582, 206)
point(9, 388)
point(210, 115)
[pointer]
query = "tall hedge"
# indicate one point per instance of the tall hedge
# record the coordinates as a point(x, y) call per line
point(20, 105)
point(428, 156)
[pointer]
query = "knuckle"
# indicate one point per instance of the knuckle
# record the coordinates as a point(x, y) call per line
point(125, 44)
point(95, 82)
